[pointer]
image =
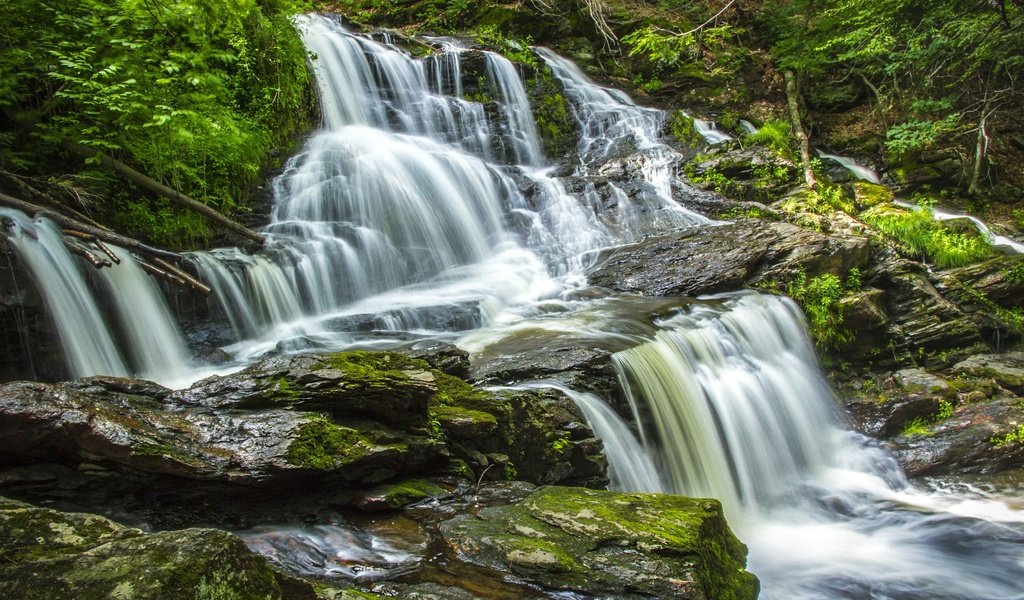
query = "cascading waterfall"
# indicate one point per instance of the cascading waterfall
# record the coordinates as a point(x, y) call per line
point(87, 343)
point(408, 202)
point(418, 211)
point(153, 345)
point(732, 406)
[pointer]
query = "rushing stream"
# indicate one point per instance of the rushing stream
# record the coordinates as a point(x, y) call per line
point(418, 212)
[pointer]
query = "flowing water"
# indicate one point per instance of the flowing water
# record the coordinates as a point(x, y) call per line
point(424, 210)
point(856, 169)
point(943, 214)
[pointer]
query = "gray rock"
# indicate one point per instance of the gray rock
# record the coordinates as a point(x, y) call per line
point(707, 260)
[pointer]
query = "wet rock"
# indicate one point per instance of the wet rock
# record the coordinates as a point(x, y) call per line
point(392, 496)
point(608, 544)
point(346, 421)
point(920, 380)
point(50, 554)
point(753, 173)
point(922, 320)
point(971, 441)
point(709, 260)
point(96, 420)
point(1005, 369)
point(386, 386)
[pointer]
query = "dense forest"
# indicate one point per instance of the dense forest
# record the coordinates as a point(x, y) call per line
point(204, 96)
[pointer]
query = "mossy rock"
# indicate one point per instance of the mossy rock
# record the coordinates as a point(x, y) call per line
point(49, 554)
point(867, 194)
point(609, 544)
point(393, 496)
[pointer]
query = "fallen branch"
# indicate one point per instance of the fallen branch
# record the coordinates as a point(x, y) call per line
point(76, 248)
point(66, 222)
point(161, 273)
point(183, 275)
point(158, 188)
point(92, 239)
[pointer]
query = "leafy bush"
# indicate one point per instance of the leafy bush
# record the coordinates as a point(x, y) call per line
point(820, 298)
point(194, 94)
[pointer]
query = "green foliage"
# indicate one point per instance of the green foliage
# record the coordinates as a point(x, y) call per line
point(775, 134)
point(918, 426)
point(680, 125)
point(853, 281)
point(510, 471)
point(515, 49)
point(191, 93)
point(1014, 437)
point(1018, 217)
point(715, 48)
point(915, 135)
point(916, 233)
point(820, 298)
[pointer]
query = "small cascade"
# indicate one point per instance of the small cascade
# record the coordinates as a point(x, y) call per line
point(942, 214)
point(137, 318)
point(630, 467)
point(732, 406)
point(858, 170)
point(517, 123)
point(612, 126)
point(748, 127)
point(710, 132)
point(85, 337)
point(153, 339)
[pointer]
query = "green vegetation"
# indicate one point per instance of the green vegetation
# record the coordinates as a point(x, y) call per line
point(192, 94)
point(918, 426)
point(820, 298)
point(775, 134)
point(917, 234)
point(680, 125)
point(1014, 437)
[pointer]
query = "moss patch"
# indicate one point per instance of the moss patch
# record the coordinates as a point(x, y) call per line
point(320, 444)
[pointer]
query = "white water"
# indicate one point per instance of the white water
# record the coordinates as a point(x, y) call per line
point(152, 344)
point(629, 465)
point(406, 217)
point(858, 170)
point(736, 409)
point(942, 214)
point(710, 132)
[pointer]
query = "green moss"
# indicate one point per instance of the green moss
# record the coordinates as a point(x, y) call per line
point(320, 444)
point(397, 495)
point(452, 391)
point(446, 413)
point(680, 125)
point(361, 364)
point(530, 554)
point(867, 194)
point(560, 443)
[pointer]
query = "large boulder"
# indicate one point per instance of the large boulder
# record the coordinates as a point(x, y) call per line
point(344, 421)
point(709, 259)
point(608, 544)
point(51, 554)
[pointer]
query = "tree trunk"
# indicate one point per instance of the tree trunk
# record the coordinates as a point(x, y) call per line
point(980, 150)
point(171, 194)
point(792, 98)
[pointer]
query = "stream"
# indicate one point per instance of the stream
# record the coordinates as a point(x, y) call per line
point(421, 212)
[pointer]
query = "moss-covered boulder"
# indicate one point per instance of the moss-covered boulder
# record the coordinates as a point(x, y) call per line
point(609, 544)
point(50, 554)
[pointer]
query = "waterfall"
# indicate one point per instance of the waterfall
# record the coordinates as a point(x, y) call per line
point(85, 338)
point(732, 406)
point(152, 344)
point(710, 132)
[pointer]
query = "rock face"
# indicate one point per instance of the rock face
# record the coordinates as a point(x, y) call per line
point(335, 422)
point(50, 554)
point(609, 544)
point(708, 260)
